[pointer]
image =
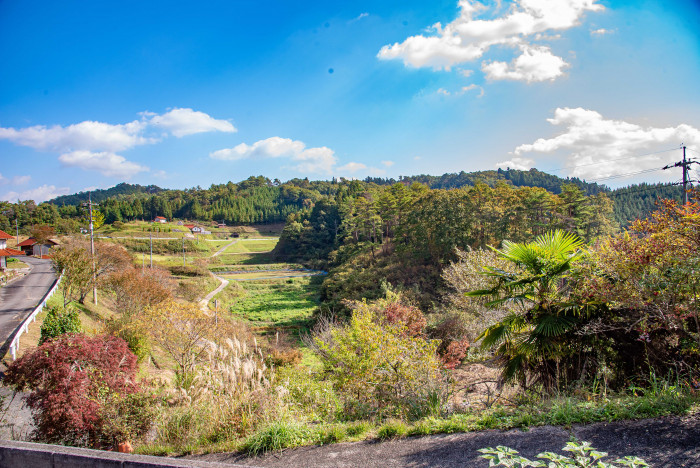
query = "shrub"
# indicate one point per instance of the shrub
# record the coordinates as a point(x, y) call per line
point(59, 321)
point(583, 455)
point(77, 385)
point(378, 367)
point(181, 270)
point(128, 330)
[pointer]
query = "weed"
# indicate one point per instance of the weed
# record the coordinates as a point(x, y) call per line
point(393, 429)
point(276, 436)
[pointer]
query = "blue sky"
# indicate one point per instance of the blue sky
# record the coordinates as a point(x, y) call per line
point(181, 94)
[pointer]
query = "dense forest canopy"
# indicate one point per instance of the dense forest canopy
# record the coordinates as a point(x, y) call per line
point(259, 200)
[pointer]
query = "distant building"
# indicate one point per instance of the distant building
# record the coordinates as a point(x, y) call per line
point(197, 229)
point(160, 219)
point(4, 251)
point(189, 226)
point(32, 247)
point(221, 224)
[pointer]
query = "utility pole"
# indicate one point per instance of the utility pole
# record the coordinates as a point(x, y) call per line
point(685, 166)
point(90, 204)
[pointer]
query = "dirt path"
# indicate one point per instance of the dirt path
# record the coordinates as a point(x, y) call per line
point(664, 442)
point(204, 303)
point(221, 250)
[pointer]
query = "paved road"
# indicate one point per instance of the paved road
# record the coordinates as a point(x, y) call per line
point(19, 298)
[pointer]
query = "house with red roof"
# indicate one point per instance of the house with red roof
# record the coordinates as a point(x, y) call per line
point(160, 219)
point(4, 251)
point(32, 247)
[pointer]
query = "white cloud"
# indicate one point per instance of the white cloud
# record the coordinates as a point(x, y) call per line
point(38, 194)
point(92, 145)
point(86, 135)
point(471, 87)
point(352, 167)
point(274, 147)
point(534, 64)
point(517, 162)
point(359, 17)
point(106, 163)
point(181, 122)
point(600, 32)
point(468, 38)
point(388, 163)
point(21, 180)
point(316, 160)
point(603, 147)
point(466, 73)
point(16, 180)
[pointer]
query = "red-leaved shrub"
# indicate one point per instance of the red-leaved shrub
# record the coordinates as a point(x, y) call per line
point(76, 383)
point(411, 317)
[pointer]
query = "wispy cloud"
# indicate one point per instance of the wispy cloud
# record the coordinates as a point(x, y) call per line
point(38, 194)
point(16, 180)
point(319, 160)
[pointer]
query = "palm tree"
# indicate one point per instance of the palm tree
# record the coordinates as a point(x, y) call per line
point(532, 339)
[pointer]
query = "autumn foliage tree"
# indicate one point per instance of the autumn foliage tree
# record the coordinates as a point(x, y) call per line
point(134, 289)
point(181, 330)
point(73, 260)
point(75, 382)
point(646, 281)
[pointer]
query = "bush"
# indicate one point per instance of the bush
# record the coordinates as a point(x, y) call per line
point(126, 329)
point(182, 270)
point(59, 321)
point(78, 385)
point(378, 368)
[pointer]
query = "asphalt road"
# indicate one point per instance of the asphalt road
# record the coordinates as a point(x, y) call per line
point(19, 298)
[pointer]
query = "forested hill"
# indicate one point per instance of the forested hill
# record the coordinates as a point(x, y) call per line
point(261, 200)
point(530, 178)
point(99, 195)
point(638, 201)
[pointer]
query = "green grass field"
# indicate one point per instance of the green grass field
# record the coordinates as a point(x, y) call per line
point(289, 302)
point(252, 246)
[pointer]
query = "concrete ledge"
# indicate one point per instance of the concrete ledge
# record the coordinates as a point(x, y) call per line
point(27, 454)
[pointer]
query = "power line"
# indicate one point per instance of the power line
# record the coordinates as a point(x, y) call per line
point(611, 160)
point(628, 174)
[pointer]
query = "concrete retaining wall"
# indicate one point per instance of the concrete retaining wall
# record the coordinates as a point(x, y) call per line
point(26, 454)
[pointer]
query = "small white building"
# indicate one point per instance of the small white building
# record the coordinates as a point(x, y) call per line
point(160, 219)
